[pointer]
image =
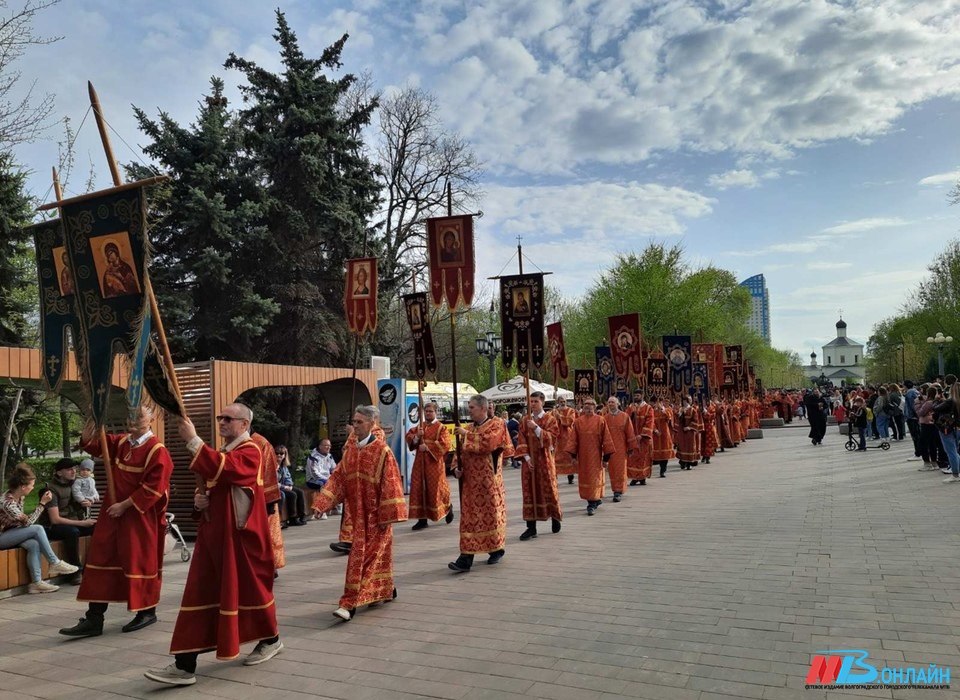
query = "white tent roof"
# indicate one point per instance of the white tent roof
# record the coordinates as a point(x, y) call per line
point(513, 391)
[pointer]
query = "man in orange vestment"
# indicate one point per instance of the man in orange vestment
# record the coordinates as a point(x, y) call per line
point(485, 444)
point(708, 445)
point(368, 482)
point(561, 458)
point(621, 430)
point(662, 434)
point(125, 561)
point(640, 464)
point(689, 426)
point(591, 444)
point(272, 497)
point(429, 490)
point(228, 597)
point(536, 444)
point(345, 535)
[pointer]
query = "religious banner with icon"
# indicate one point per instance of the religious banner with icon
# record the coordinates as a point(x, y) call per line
point(627, 342)
point(700, 388)
point(657, 382)
point(733, 355)
point(360, 295)
point(424, 357)
point(621, 389)
point(706, 353)
point(558, 355)
point(521, 321)
point(450, 251)
point(584, 383)
point(606, 374)
point(731, 376)
point(678, 351)
point(57, 313)
point(106, 243)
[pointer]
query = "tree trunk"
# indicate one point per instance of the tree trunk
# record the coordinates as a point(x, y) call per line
point(65, 428)
point(296, 426)
point(6, 441)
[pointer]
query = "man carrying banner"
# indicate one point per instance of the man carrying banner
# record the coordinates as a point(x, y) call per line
point(690, 425)
point(367, 481)
point(592, 446)
point(640, 464)
point(565, 417)
point(662, 434)
point(228, 597)
point(483, 511)
point(125, 560)
point(429, 490)
point(624, 440)
point(536, 444)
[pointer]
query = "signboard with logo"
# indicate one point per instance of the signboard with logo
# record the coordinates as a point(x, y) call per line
point(391, 395)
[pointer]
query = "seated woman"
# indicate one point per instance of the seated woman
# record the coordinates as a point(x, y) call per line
point(17, 529)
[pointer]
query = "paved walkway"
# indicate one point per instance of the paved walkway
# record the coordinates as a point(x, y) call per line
point(715, 583)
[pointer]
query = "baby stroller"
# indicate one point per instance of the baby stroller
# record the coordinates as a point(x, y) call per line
point(174, 536)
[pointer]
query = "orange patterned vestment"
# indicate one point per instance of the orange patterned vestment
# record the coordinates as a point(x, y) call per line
point(429, 490)
point(565, 418)
point(708, 446)
point(483, 509)
point(640, 463)
point(663, 440)
point(125, 561)
point(346, 517)
point(744, 418)
point(621, 430)
point(271, 494)
point(367, 481)
point(228, 597)
point(590, 441)
point(688, 448)
point(538, 474)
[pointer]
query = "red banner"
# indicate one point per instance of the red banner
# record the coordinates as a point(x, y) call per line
point(558, 355)
point(710, 354)
point(626, 342)
point(450, 250)
point(360, 295)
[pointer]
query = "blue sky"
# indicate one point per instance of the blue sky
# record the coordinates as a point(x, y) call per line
point(814, 142)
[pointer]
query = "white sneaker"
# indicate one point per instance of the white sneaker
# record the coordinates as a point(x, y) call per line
point(62, 568)
point(323, 516)
point(171, 675)
point(952, 480)
point(913, 459)
point(263, 652)
point(343, 614)
point(42, 587)
point(946, 470)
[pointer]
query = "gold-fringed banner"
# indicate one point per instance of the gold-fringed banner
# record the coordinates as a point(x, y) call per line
point(360, 295)
point(450, 251)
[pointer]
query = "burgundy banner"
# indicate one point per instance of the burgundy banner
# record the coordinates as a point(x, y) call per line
point(558, 354)
point(360, 295)
point(626, 341)
point(450, 250)
point(424, 357)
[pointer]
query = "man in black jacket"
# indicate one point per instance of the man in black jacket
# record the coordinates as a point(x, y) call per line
point(816, 414)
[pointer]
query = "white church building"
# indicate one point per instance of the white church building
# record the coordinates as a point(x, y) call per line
point(841, 361)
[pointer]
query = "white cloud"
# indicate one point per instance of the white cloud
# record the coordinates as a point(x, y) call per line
point(941, 179)
point(734, 178)
point(864, 225)
point(828, 265)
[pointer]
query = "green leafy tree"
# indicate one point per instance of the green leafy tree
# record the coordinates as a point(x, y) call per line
point(44, 434)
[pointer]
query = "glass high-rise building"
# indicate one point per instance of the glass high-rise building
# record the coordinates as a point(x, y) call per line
point(759, 321)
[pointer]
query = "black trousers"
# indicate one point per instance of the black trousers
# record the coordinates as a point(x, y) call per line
point(70, 536)
point(931, 449)
point(296, 505)
point(913, 425)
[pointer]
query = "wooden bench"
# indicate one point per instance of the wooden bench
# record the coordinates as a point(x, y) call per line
point(14, 575)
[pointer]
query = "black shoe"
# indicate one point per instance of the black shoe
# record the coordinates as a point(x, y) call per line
point(87, 627)
point(139, 622)
point(495, 557)
point(528, 534)
point(555, 526)
point(643, 482)
point(421, 524)
point(394, 593)
point(449, 517)
point(616, 498)
point(341, 547)
point(634, 482)
point(569, 478)
point(302, 520)
point(296, 522)
point(663, 475)
point(591, 510)
point(284, 525)
point(462, 564)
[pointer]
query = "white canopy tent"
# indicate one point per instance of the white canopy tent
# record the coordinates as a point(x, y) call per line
point(513, 391)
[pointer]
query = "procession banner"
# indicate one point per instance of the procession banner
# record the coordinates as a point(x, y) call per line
point(424, 357)
point(584, 383)
point(606, 376)
point(521, 320)
point(57, 311)
point(391, 400)
point(733, 355)
point(360, 295)
point(678, 351)
point(708, 354)
point(731, 376)
point(626, 340)
point(700, 388)
point(450, 249)
point(622, 390)
point(558, 354)
point(657, 382)
point(106, 243)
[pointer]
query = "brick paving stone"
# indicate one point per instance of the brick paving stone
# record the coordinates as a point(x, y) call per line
point(715, 583)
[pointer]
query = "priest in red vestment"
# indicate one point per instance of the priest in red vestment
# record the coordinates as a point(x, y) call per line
point(536, 443)
point(228, 597)
point(662, 434)
point(429, 490)
point(621, 430)
point(125, 559)
point(591, 445)
point(689, 426)
point(484, 446)
point(561, 458)
point(640, 463)
point(345, 536)
point(272, 497)
point(367, 481)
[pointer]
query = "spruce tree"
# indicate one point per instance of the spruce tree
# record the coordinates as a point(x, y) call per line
point(17, 272)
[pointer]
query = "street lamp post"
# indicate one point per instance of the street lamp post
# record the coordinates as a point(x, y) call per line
point(489, 347)
point(940, 340)
point(903, 362)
